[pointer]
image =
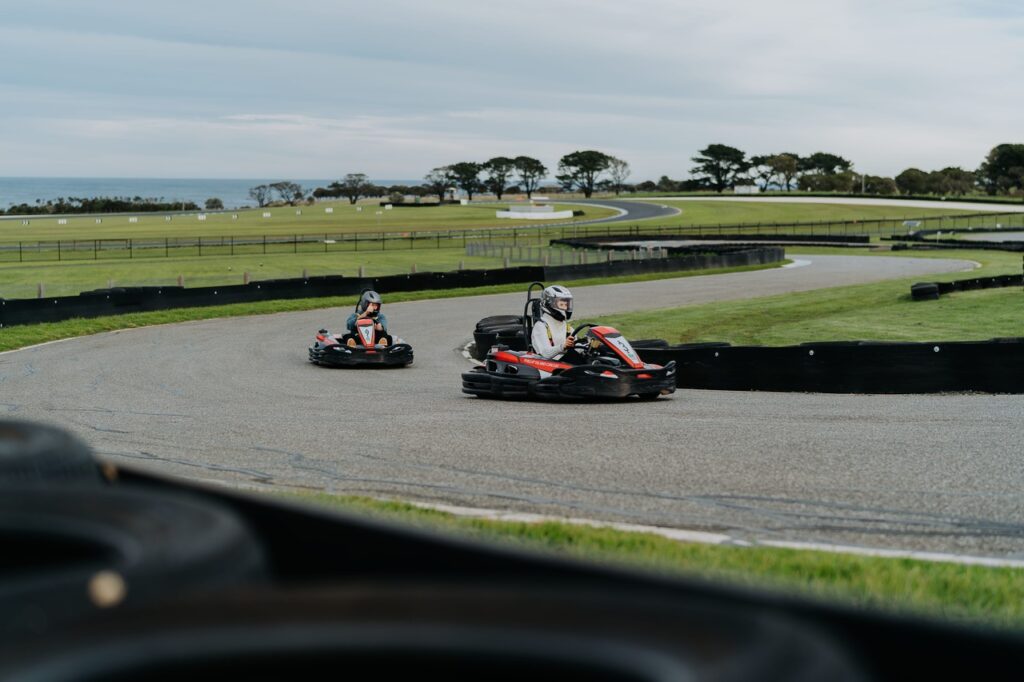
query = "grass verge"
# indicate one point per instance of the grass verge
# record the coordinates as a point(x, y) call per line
point(878, 312)
point(20, 336)
point(963, 593)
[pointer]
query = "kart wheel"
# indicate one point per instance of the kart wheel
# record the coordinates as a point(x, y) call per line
point(40, 454)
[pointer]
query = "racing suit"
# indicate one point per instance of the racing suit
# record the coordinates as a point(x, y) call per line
point(350, 324)
point(548, 339)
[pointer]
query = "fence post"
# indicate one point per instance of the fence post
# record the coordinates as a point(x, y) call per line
point(131, 249)
point(233, 245)
point(20, 257)
point(200, 246)
point(39, 290)
point(295, 243)
point(58, 249)
point(264, 245)
point(245, 278)
point(305, 273)
point(362, 271)
point(181, 281)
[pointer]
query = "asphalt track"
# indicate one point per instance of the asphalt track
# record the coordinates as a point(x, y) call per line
point(993, 237)
point(235, 400)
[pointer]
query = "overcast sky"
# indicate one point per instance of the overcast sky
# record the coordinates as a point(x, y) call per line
point(393, 88)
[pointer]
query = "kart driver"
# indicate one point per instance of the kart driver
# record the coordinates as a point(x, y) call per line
point(369, 307)
point(552, 337)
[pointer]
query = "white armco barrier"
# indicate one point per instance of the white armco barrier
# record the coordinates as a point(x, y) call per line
point(527, 215)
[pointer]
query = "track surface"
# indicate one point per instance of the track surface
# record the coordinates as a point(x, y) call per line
point(236, 400)
point(994, 237)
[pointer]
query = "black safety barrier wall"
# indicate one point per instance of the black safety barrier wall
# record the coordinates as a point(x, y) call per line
point(332, 591)
point(923, 291)
point(994, 366)
point(919, 242)
point(609, 241)
point(102, 302)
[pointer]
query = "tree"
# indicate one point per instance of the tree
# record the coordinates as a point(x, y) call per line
point(580, 170)
point(823, 163)
point(289, 192)
point(912, 181)
point(260, 194)
point(352, 187)
point(666, 184)
point(618, 171)
point(957, 180)
point(438, 180)
point(786, 167)
point(531, 172)
point(498, 170)
point(874, 184)
point(762, 171)
point(1003, 169)
point(720, 165)
point(828, 182)
point(467, 177)
point(214, 204)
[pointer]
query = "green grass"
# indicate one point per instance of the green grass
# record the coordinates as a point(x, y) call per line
point(283, 221)
point(879, 312)
point(70, 277)
point(994, 596)
point(26, 335)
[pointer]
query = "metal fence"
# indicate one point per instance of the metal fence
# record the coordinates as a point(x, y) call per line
point(165, 247)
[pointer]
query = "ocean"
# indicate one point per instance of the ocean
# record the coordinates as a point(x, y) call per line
point(234, 192)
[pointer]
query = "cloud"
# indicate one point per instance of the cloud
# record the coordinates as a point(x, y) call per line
point(116, 87)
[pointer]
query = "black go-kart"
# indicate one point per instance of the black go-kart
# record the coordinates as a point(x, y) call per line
point(366, 348)
point(611, 368)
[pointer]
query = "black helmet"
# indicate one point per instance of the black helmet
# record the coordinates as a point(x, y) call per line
point(551, 300)
point(369, 296)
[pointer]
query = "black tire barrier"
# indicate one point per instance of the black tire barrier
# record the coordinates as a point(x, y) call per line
point(994, 366)
point(440, 631)
point(357, 595)
point(609, 241)
point(72, 552)
point(102, 302)
point(924, 291)
point(919, 242)
point(930, 291)
point(37, 454)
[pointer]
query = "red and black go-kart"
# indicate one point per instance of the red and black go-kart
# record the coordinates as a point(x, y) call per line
point(611, 369)
point(368, 350)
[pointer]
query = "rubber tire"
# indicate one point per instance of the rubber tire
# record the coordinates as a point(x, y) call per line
point(39, 454)
point(501, 632)
point(161, 544)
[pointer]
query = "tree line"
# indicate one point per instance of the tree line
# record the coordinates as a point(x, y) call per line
point(67, 205)
point(720, 167)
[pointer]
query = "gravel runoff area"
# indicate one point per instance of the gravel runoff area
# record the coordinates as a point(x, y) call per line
point(235, 400)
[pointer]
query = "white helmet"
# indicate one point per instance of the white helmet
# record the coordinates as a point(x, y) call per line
point(557, 302)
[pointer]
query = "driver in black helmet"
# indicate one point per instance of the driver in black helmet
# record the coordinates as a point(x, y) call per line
point(369, 307)
point(552, 336)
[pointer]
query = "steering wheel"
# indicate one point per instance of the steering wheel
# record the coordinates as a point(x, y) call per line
point(581, 345)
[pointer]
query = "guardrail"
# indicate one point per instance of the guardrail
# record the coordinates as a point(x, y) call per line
point(102, 302)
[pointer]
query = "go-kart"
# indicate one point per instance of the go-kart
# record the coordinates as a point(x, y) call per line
point(369, 349)
point(609, 368)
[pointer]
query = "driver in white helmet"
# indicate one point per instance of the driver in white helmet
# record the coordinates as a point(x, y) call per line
point(552, 336)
